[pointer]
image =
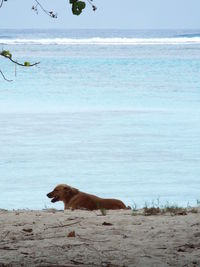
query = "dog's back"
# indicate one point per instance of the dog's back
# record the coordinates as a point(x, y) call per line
point(91, 202)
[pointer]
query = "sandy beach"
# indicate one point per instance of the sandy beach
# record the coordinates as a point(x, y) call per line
point(85, 238)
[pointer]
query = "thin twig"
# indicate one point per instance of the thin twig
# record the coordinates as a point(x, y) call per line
point(5, 77)
point(1, 3)
point(63, 225)
point(19, 64)
point(92, 240)
point(31, 65)
point(48, 13)
point(91, 3)
point(7, 248)
point(77, 262)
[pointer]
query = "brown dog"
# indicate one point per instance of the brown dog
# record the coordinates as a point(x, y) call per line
point(75, 199)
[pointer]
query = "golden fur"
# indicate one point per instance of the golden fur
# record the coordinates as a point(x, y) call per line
point(75, 199)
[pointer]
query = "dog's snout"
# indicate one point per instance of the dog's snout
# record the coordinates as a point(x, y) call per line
point(49, 195)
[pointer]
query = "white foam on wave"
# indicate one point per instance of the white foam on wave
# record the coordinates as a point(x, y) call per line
point(103, 41)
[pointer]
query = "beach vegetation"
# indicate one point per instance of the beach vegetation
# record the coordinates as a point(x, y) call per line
point(151, 211)
point(134, 209)
point(193, 210)
point(77, 7)
point(155, 208)
point(174, 209)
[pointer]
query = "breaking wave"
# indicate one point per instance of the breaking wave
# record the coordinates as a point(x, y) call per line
point(103, 41)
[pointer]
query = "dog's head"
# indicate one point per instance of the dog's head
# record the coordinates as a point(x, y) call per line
point(62, 192)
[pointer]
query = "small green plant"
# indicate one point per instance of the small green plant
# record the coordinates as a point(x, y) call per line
point(151, 211)
point(174, 209)
point(157, 202)
point(193, 210)
point(134, 209)
point(155, 208)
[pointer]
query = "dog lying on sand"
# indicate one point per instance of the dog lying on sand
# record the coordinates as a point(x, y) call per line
point(75, 199)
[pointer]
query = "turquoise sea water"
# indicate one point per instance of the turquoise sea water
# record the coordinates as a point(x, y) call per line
point(113, 113)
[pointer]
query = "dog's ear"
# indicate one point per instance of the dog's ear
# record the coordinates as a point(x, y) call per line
point(67, 188)
point(70, 190)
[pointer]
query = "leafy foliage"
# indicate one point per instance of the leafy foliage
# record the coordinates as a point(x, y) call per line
point(37, 5)
point(77, 8)
point(6, 53)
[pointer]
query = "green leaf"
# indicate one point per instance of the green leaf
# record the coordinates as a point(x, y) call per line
point(27, 64)
point(81, 5)
point(77, 7)
point(6, 53)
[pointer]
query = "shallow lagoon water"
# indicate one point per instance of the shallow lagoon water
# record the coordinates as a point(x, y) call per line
point(115, 120)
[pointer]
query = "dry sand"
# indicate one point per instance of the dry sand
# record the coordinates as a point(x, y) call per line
point(40, 238)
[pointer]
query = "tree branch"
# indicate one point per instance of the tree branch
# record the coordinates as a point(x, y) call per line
point(77, 5)
point(8, 55)
point(48, 13)
point(1, 4)
point(20, 64)
point(93, 6)
point(5, 77)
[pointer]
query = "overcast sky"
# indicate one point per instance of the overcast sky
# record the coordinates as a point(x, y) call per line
point(118, 14)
